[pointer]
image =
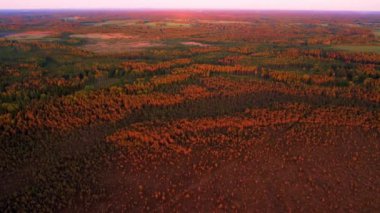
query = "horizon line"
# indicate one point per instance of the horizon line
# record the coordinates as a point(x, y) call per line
point(187, 9)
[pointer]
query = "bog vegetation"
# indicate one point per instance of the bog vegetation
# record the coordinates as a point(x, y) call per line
point(176, 111)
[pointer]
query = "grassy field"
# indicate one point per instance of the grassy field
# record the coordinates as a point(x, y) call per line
point(120, 23)
point(30, 35)
point(101, 36)
point(354, 48)
point(121, 46)
point(377, 33)
point(168, 24)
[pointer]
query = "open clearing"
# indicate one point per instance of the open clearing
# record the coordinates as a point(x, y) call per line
point(102, 36)
point(167, 24)
point(105, 47)
point(120, 23)
point(73, 18)
point(29, 35)
point(193, 43)
point(354, 48)
point(377, 33)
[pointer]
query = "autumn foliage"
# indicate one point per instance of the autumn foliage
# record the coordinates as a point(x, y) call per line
point(189, 111)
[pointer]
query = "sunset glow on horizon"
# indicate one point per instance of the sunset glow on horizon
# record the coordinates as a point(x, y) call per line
point(348, 5)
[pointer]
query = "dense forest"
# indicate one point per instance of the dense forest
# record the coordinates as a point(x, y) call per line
point(189, 111)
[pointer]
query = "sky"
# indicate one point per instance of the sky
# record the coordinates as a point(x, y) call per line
point(352, 5)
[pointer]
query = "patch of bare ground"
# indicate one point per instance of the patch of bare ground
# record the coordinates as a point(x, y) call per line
point(30, 35)
point(104, 47)
point(193, 43)
point(102, 36)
